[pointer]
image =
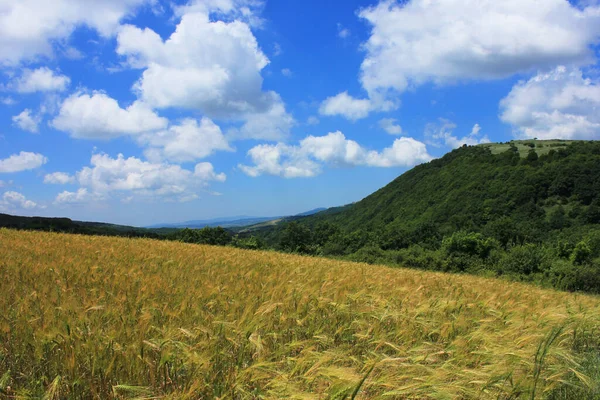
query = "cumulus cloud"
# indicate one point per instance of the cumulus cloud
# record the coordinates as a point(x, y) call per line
point(29, 28)
point(98, 116)
point(26, 121)
point(188, 141)
point(125, 177)
point(449, 40)
point(206, 172)
point(41, 80)
point(245, 10)
point(446, 41)
point(442, 133)
point(352, 108)
point(14, 200)
point(280, 160)
point(307, 158)
point(80, 196)
point(273, 124)
point(213, 66)
point(390, 125)
point(561, 104)
point(58, 178)
point(22, 162)
point(287, 72)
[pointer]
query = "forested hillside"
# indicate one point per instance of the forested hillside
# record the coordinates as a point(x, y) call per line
point(528, 209)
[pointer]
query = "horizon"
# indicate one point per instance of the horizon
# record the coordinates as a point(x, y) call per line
point(149, 112)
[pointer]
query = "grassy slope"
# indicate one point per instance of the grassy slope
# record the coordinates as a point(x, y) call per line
point(523, 146)
point(101, 317)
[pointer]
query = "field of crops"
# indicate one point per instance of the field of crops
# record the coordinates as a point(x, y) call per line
point(96, 317)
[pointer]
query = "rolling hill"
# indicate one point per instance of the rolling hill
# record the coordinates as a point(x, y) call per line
point(474, 186)
point(526, 210)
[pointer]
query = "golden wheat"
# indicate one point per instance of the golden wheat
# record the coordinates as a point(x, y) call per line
point(97, 317)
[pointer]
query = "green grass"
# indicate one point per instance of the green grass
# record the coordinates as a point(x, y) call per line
point(523, 146)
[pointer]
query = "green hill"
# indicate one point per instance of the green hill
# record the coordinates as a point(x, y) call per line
point(472, 187)
point(511, 208)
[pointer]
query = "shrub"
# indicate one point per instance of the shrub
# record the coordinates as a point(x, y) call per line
point(471, 244)
point(565, 276)
point(420, 258)
point(370, 254)
point(582, 253)
point(296, 238)
point(249, 243)
point(526, 259)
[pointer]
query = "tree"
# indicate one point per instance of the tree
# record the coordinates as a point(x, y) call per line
point(582, 253)
point(557, 218)
point(296, 238)
point(592, 214)
point(472, 244)
point(532, 157)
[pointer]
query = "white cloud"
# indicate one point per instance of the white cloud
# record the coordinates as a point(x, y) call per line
point(14, 200)
point(26, 121)
point(446, 41)
point(8, 101)
point(450, 40)
point(307, 158)
point(209, 65)
point(245, 10)
point(41, 80)
point(206, 172)
point(390, 125)
point(280, 160)
point(188, 141)
point(561, 104)
point(312, 120)
point(99, 116)
point(343, 33)
point(273, 124)
point(443, 131)
point(213, 66)
point(29, 28)
point(22, 162)
point(287, 72)
point(80, 196)
point(405, 152)
point(352, 108)
point(125, 177)
point(58, 178)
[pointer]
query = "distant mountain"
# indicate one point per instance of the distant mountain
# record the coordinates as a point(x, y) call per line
point(226, 222)
point(311, 212)
point(231, 222)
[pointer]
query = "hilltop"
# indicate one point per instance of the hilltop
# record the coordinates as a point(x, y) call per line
point(99, 317)
point(474, 186)
point(525, 209)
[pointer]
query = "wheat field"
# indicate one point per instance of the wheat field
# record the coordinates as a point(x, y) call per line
point(96, 317)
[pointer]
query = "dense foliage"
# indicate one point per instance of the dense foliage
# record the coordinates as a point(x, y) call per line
point(527, 216)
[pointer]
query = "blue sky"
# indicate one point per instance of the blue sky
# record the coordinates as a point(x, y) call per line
point(146, 111)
